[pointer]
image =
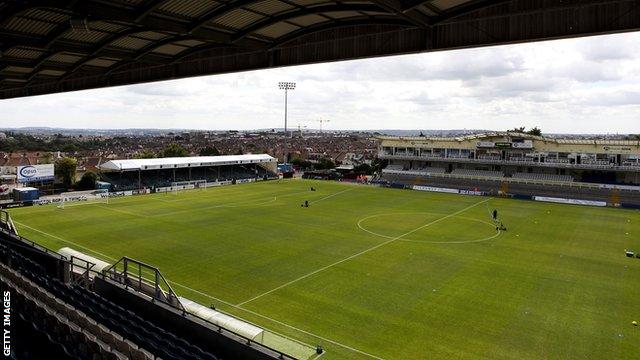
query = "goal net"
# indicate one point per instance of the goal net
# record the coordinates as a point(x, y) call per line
point(83, 198)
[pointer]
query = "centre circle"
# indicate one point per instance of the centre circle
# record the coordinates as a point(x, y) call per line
point(428, 227)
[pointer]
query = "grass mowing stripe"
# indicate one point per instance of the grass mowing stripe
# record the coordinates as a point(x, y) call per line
point(64, 240)
point(556, 285)
point(281, 323)
point(330, 196)
point(220, 300)
point(361, 252)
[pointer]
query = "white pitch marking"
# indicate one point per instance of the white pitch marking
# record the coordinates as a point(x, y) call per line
point(332, 195)
point(67, 241)
point(236, 204)
point(122, 211)
point(498, 232)
point(220, 300)
point(281, 323)
point(360, 253)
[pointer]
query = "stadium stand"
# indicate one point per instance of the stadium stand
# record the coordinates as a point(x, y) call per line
point(544, 177)
point(396, 169)
point(135, 174)
point(530, 165)
point(70, 319)
point(522, 187)
point(473, 172)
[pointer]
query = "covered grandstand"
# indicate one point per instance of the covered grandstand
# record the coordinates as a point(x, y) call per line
point(517, 163)
point(131, 174)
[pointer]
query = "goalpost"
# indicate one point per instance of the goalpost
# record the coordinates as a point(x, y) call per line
point(76, 199)
point(188, 185)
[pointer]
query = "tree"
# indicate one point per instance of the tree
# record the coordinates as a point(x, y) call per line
point(65, 170)
point(145, 154)
point(209, 151)
point(378, 164)
point(70, 148)
point(363, 169)
point(325, 163)
point(535, 131)
point(46, 159)
point(87, 181)
point(174, 150)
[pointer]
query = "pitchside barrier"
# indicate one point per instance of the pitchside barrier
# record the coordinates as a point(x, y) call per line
point(570, 201)
point(190, 185)
point(448, 190)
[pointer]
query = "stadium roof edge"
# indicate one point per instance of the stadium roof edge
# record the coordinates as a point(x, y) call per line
point(512, 134)
point(183, 162)
point(51, 46)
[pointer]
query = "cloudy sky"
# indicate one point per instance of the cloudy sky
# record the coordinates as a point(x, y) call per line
point(588, 85)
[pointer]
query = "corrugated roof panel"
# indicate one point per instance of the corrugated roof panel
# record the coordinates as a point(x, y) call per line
point(152, 35)
point(18, 69)
point(342, 14)
point(448, 4)
point(28, 26)
point(129, 2)
point(85, 36)
point(23, 53)
point(51, 72)
point(269, 7)
point(309, 20)
point(194, 161)
point(190, 43)
point(376, 13)
point(47, 15)
point(64, 58)
point(238, 19)
point(106, 26)
point(130, 43)
point(312, 2)
point(170, 49)
point(277, 30)
point(101, 62)
point(190, 9)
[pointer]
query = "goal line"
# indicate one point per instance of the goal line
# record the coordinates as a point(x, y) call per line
point(188, 185)
point(83, 198)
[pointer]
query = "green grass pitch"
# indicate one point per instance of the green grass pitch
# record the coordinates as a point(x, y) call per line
point(372, 272)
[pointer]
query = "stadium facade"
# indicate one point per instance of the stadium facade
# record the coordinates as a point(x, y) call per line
point(516, 155)
point(518, 164)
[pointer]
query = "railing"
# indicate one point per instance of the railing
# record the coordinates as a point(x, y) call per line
point(32, 246)
point(7, 223)
point(546, 163)
point(123, 272)
point(570, 184)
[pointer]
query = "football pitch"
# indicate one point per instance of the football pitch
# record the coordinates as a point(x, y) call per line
point(372, 272)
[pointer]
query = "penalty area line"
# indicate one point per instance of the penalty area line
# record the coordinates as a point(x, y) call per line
point(66, 241)
point(347, 347)
point(360, 253)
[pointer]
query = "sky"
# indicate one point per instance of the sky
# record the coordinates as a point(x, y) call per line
point(585, 85)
